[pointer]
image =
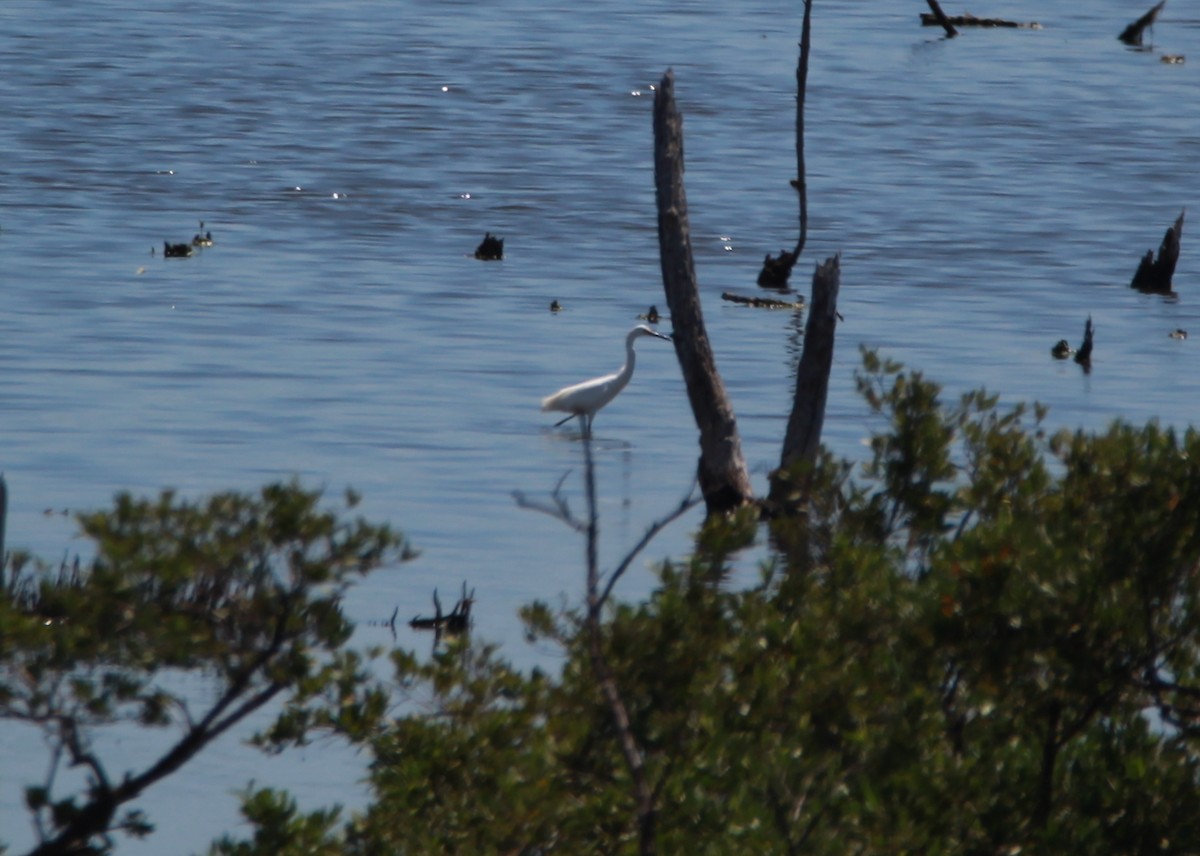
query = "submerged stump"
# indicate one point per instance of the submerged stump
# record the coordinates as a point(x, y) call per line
point(490, 249)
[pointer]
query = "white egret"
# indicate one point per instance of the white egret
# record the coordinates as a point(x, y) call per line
point(584, 399)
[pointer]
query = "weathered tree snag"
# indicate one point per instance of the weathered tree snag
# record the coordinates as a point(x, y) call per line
point(776, 271)
point(455, 622)
point(803, 438)
point(1132, 35)
point(942, 20)
point(1084, 355)
point(1154, 275)
point(722, 474)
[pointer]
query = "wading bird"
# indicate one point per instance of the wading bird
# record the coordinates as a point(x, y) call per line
point(584, 399)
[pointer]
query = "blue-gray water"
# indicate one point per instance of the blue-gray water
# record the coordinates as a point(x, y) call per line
point(987, 194)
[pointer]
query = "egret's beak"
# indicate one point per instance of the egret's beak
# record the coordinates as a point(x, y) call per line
point(663, 336)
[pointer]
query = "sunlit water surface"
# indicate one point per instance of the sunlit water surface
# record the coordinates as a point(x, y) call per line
point(986, 194)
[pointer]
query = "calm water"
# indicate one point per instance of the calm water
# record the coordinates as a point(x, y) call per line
point(986, 193)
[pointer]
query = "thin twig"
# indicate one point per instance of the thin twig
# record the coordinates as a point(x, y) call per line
point(687, 504)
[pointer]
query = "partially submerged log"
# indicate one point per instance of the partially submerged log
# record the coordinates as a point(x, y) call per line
point(1154, 275)
point(939, 18)
point(803, 438)
point(722, 474)
point(969, 20)
point(763, 302)
point(1132, 35)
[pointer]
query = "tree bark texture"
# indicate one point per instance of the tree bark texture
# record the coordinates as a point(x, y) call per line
point(803, 438)
point(723, 477)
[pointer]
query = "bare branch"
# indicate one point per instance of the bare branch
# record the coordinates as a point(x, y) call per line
point(687, 504)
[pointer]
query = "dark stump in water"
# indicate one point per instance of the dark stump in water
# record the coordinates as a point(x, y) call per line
point(776, 270)
point(1132, 35)
point(1154, 275)
point(490, 249)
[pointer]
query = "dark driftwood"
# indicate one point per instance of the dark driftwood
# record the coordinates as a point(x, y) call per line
point(457, 621)
point(803, 438)
point(929, 20)
point(1154, 275)
point(763, 302)
point(722, 474)
point(1132, 35)
point(941, 20)
point(776, 271)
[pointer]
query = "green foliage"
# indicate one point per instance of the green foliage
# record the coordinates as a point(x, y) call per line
point(281, 829)
point(987, 643)
point(243, 590)
point(982, 640)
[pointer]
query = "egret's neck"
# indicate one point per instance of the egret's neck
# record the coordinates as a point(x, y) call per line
point(630, 358)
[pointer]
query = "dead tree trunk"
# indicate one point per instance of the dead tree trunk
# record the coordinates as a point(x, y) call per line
point(776, 271)
point(723, 477)
point(803, 438)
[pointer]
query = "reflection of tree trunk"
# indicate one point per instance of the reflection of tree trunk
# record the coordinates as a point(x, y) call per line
point(776, 271)
point(803, 438)
point(723, 477)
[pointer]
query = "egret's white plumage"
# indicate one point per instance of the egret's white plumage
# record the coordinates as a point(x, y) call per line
point(584, 399)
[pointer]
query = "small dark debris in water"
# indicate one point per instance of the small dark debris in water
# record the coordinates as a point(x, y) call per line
point(491, 249)
point(555, 306)
point(1178, 334)
point(1132, 35)
point(1062, 350)
point(764, 302)
point(651, 315)
point(176, 251)
point(457, 621)
point(775, 271)
point(1173, 59)
point(1154, 275)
